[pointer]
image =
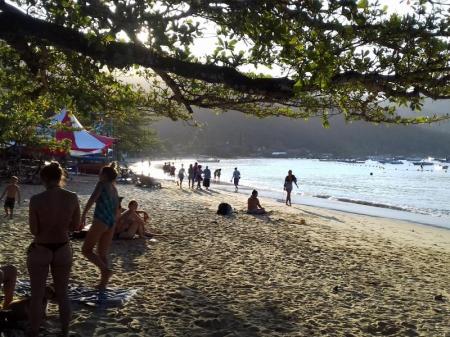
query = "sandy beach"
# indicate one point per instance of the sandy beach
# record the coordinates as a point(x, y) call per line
point(300, 271)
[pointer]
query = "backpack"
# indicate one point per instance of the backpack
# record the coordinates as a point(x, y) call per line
point(224, 209)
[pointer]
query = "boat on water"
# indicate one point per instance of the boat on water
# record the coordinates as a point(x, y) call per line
point(422, 163)
point(208, 160)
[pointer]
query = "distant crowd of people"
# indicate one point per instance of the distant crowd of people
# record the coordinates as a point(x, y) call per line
point(196, 175)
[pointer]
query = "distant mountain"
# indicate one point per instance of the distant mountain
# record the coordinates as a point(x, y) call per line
point(235, 134)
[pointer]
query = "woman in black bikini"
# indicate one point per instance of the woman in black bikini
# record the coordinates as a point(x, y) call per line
point(53, 214)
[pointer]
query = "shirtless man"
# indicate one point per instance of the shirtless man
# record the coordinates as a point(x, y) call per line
point(11, 191)
point(254, 207)
point(130, 222)
point(8, 276)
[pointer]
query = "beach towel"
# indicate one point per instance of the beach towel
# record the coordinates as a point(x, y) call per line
point(92, 297)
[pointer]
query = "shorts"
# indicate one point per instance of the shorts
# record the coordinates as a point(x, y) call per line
point(236, 181)
point(9, 202)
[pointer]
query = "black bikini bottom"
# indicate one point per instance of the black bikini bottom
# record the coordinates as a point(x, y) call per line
point(52, 246)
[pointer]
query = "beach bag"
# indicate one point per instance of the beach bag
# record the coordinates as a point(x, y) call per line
point(224, 209)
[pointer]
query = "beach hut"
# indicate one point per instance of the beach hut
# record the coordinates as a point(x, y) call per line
point(83, 142)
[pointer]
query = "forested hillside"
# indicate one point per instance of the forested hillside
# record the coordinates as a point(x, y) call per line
point(235, 134)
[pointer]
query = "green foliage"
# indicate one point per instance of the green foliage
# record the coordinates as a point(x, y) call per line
point(28, 99)
point(327, 57)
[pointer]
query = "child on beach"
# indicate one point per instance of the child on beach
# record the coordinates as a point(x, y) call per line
point(253, 205)
point(11, 191)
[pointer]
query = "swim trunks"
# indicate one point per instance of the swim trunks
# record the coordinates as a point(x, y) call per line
point(9, 202)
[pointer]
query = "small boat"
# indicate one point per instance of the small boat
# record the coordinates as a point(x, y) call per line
point(396, 162)
point(422, 163)
point(208, 160)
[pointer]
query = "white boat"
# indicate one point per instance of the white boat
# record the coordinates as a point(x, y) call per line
point(208, 160)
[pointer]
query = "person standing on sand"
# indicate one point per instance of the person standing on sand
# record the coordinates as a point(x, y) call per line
point(290, 178)
point(8, 277)
point(53, 214)
point(101, 232)
point(11, 190)
point(219, 171)
point(181, 174)
point(198, 177)
point(194, 174)
point(190, 176)
point(206, 177)
point(235, 178)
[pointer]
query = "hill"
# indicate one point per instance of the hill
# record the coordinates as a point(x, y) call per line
point(235, 134)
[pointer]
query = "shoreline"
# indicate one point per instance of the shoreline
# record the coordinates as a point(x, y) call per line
point(331, 204)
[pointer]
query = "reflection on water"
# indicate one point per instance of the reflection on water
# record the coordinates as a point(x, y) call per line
point(398, 187)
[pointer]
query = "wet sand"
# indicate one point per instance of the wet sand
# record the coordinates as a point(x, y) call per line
point(300, 271)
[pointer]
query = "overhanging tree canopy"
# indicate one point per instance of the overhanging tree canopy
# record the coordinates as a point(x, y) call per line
point(334, 57)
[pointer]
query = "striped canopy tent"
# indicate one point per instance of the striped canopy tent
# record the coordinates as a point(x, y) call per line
point(83, 142)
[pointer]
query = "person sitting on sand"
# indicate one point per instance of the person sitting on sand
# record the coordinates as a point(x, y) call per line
point(254, 207)
point(19, 310)
point(130, 223)
point(11, 190)
point(101, 232)
point(52, 215)
point(8, 276)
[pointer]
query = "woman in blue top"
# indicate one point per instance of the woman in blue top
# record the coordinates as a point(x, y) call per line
point(101, 232)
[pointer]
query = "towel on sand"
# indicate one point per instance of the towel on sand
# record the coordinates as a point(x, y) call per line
point(88, 296)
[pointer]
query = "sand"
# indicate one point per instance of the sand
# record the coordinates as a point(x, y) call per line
point(332, 274)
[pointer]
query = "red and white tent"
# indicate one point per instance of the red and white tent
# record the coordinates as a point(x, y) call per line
point(83, 142)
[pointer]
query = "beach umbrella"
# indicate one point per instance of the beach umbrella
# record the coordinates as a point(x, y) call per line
point(83, 142)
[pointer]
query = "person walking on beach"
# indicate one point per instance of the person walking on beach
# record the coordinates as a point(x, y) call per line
point(290, 178)
point(206, 178)
point(235, 178)
point(190, 176)
point(11, 190)
point(8, 277)
point(53, 214)
point(253, 205)
point(181, 174)
point(101, 232)
point(219, 171)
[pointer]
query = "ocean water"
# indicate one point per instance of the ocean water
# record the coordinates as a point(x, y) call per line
point(396, 191)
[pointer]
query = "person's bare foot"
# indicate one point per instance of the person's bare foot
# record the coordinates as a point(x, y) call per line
point(104, 279)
